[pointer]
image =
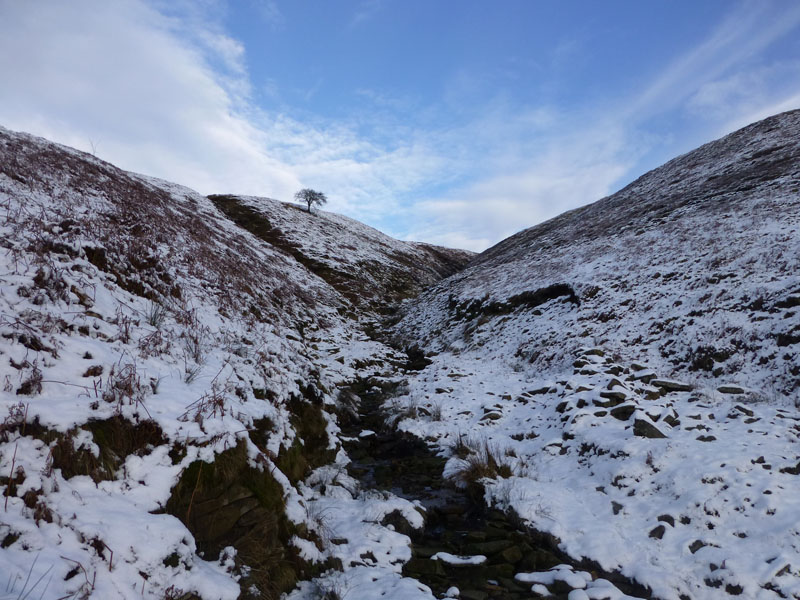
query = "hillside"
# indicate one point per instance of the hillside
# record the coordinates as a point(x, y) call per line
point(692, 269)
point(202, 398)
point(370, 269)
point(626, 376)
point(168, 381)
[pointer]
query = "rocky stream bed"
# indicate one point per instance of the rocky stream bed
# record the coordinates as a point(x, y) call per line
point(483, 552)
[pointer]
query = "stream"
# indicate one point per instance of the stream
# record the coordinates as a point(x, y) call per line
point(456, 522)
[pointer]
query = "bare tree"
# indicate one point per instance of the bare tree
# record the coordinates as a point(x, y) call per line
point(310, 197)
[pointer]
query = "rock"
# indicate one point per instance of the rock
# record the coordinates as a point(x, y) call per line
point(672, 421)
point(651, 393)
point(613, 401)
point(512, 555)
point(398, 521)
point(512, 586)
point(642, 428)
point(730, 389)
point(539, 560)
point(473, 595)
point(744, 410)
point(499, 571)
point(644, 376)
point(537, 391)
point(671, 386)
point(614, 395)
point(424, 551)
point(657, 532)
point(623, 412)
point(489, 548)
point(696, 545)
point(706, 438)
point(423, 566)
point(667, 519)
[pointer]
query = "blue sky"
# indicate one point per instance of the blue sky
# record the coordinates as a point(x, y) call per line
point(453, 122)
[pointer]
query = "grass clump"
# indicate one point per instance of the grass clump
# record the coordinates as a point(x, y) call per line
point(480, 460)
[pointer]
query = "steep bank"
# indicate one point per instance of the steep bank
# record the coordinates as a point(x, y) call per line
point(625, 376)
point(168, 382)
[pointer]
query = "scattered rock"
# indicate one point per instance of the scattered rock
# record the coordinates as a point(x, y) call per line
point(642, 428)
point(792, 470)
point(424, 566)
point(671, 386)
point(623, 412)
point(94, 371)
point(731, 389)
point(618, 395)
point(672, 421)
point(512, 555)
point(696, 545)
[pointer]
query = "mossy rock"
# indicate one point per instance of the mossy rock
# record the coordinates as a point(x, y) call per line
point(117, 438)
point(230, 503)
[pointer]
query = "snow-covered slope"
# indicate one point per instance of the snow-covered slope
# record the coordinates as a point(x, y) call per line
point(693, 268)
point(167, 383)
point(369, 268)
point(626, 376)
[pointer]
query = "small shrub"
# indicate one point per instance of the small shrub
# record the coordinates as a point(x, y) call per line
point(124, 386)
point(156, 314)
point(33, 384)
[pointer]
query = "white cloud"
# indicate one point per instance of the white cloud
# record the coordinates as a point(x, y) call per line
point(748, 29)
point(748, 96)
point(366, 10)
point(118, 74)
point(574, 160)
point(161, 88)
point(270, 13)
point(571, 169)
point(156, 98)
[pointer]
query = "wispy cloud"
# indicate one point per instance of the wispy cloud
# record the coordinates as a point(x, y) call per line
point(748, 29)
point(167, 92)
point(575, 158)
point(270, 13)
point(365, 11)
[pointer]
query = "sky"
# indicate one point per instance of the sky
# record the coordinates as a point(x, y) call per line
point(455, 122)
